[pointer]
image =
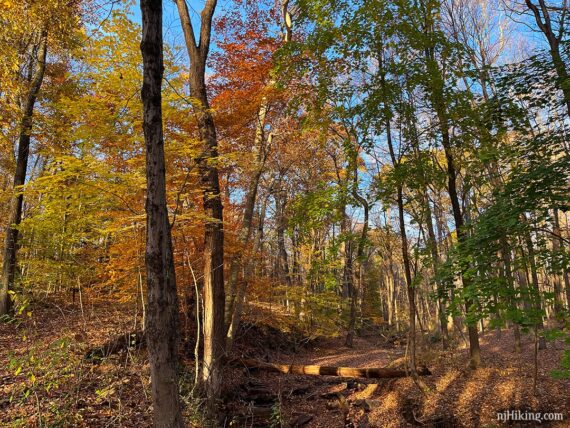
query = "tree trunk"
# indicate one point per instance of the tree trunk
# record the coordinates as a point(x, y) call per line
point(214, 293)
point(405, 255)
point(162, 308)
point(241, 289)
point(409, 284)
point(351, 372)
point(474, 350)
point(437, 97)
point(11, 240)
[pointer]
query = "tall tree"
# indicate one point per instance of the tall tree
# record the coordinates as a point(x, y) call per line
point(36, 71)
point(214, 293)
point(436, 92)
point(162, 311)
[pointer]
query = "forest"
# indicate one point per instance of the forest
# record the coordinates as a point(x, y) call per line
point(285, 213)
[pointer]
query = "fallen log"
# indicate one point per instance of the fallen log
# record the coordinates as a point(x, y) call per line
point(369, 372)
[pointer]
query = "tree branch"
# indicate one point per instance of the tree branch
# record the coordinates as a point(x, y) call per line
point(206, 28)
point(188, 29)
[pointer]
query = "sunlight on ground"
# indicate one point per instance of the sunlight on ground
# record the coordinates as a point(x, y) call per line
point(446, 380)
point(367, 392)
point(391, 401)
point(475, 386)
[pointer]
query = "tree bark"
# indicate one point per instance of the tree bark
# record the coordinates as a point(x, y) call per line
point(474, 350)
point(11, 240)
point(162, 309)
point(368, 372)
point(214, 293)
point(432, 245)
point(408, 275)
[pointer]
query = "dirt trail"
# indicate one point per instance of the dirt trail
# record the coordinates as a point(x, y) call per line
point(459, 398)
point(365, 353)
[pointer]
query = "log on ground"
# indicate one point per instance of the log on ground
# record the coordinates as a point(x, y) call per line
point(368, 372)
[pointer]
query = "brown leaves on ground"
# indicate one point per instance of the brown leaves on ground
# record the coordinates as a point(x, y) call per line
point(44, 379)
point(460, 397)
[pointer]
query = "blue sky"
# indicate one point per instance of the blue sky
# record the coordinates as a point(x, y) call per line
point(524, 39)
point(172, 30)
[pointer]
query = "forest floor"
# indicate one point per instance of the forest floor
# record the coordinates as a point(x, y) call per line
point(46, 381)
point(460, 397)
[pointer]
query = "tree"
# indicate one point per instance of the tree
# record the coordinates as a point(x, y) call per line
point(436, 52)
point(214, 293)
point(551, 20)
point(162, 313)
point(36, 75)
point(28, 32)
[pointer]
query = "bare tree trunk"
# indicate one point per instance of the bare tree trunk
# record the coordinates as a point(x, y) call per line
point(214, 293)
point(162, 308)
point(393, 286)
point(348, 372)
point(361, 241)
point(11, 241)
point(391, 297)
